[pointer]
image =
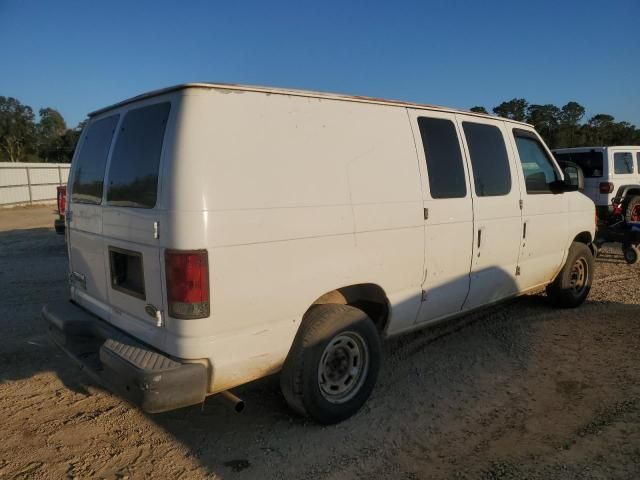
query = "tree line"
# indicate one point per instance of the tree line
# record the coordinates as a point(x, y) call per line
point(23, 139)
point(565, 126)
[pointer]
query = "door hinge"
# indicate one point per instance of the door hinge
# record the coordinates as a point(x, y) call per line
point(423, 296)
point(156, 234)
point(517, 270)
point(521, 203)
point(426, 213)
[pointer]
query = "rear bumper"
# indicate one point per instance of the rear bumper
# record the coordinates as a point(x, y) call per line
point(145, 377)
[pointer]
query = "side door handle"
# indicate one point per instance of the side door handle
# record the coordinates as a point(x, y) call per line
point(524, 230)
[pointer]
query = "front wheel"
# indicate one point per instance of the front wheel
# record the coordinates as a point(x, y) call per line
point(572, 285)
point(333, 364)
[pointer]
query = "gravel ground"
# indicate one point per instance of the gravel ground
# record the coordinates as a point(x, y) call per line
point(519, 391)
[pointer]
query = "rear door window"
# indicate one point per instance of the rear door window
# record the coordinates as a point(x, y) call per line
point(88, 176)
point(489, 159)
point(623, 163)
point(133, 172)
point(443, 157)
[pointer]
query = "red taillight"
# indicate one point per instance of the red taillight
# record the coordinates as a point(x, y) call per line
point(187, 283)
point(62, 200)
point(606, 187)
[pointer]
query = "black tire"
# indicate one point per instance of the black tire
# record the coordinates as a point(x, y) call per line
point(321, 343)
point(572, 285)
point(631, 253)
point(632, 209)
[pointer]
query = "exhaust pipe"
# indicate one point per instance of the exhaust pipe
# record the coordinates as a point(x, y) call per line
point(231, 399)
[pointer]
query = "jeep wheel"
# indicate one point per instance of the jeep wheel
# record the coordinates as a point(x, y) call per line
point(333, 364)
point(571, 286)
point(632, 209)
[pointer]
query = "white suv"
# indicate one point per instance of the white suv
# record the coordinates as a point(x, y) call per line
point(221, 233)
point(611, 173)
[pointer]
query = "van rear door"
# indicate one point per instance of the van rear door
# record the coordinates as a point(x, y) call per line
point(131, 219)
point(84, 216)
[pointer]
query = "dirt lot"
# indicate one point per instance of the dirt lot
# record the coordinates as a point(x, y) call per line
point(521, 391)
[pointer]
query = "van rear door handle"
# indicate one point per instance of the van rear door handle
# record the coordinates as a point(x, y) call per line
point(479, 237)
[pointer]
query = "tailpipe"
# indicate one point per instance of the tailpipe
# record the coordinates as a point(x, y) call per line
point(236, 403)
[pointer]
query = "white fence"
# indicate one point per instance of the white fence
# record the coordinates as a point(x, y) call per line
point(25, 183)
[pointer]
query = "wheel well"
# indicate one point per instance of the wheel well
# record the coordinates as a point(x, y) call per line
point(626, 191)
point(585, 237)
point(368, 297)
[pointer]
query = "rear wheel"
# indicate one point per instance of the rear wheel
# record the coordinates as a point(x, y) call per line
point(333, 364)
point(572, 285)
point(632, 209)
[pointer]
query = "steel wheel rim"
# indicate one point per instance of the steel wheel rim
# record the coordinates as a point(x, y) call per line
point(635, 213)
point(344, 364)
point(579, 276)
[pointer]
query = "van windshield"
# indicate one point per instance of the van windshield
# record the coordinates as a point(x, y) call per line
point(134, 167)
point(590, 162)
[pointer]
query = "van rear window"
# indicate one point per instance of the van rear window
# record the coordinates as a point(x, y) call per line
point(133, 172)
point(590, 162)
point(88, 175)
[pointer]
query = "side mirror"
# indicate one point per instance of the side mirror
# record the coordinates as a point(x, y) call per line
point(573, 177)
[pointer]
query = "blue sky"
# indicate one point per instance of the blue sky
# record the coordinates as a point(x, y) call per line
point(79, 56)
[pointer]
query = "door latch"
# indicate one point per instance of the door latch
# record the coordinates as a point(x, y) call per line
point(426, 213)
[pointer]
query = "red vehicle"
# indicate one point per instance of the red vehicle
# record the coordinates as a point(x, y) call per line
point(62, 204)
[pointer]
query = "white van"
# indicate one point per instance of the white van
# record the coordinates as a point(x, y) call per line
point(610, 173)
point(221, 233)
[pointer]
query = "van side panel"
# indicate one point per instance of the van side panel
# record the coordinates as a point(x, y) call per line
point(293, 197)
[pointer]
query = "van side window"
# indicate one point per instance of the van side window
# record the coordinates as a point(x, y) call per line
point(623, 162)
point(133, 171)
point(443, 157)
point(489, 159)
point(88, 176)
point(538, 168)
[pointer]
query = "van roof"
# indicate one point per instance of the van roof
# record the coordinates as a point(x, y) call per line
point(298, 93)
point(583, 149)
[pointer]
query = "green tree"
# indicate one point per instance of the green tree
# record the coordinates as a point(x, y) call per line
point(69, 141)
point(51, 130)
point(515, 109)
point(545, 118)
point(478, 109)
point(569, 134)
point(17, 129)
point(599, 129)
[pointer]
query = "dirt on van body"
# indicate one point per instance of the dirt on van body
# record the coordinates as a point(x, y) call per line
point(519, 391)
